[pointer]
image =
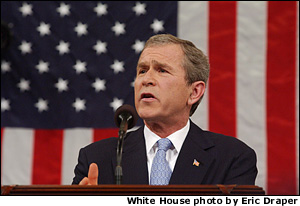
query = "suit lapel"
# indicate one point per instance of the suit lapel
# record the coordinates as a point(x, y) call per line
point(134, 159)
point(193, 149)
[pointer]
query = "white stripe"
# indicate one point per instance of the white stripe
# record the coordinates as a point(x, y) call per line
point(17, 156)
point(251, 77)
point(193, 26)
point(74, 139)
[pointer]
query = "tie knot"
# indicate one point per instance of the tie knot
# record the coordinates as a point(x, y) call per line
point(164, 144)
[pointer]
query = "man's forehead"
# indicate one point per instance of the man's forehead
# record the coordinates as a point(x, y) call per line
point(167, 46)
point(161, 54)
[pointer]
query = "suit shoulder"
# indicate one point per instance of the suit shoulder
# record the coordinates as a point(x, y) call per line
point(223, 141)
point(109, 143)
point(221, 138)
point(102, 144)
point(230, 143)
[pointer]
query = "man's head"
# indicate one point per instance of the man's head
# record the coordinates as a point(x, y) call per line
point(195, 62)
point(170, 68)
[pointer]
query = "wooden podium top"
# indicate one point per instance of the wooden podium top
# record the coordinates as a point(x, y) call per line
point(119, 190)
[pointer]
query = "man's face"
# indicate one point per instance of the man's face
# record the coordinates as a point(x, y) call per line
point(161, 90)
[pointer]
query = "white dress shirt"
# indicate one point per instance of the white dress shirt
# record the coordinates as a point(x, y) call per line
point(177, 139)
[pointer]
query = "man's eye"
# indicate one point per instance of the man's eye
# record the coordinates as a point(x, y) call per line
point(142, 71)
point(162, 70)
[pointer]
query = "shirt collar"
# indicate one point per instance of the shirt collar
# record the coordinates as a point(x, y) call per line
point(177, 138)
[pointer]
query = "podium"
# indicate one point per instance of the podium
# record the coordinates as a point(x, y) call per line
point(131, 190)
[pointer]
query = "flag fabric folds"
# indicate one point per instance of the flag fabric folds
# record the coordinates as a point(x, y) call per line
point(70, 65)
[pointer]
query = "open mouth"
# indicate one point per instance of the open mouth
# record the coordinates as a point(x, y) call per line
point(147, 96)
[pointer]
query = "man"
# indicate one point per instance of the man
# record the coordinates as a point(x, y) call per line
point(170, 83)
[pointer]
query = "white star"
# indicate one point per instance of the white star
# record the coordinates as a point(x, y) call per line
point(101, 9)
point(42, 105)
point(116, 103)
point(42, 66)
point(63, 47)
point(44, 29)
point(99, 85)
point(63, 9)
point(5, 66)
point(25, 47)
point(118, 28)
point(24, 85)
point(79, 104)
point(100, 47)
point(80, 66)
point(138, 46)
point(117, 66)
point(157, 26)
point(5, 105)
point(139, 8)
point(26, 9)
point(132, 83)
point(81, 29)
point(62, 85)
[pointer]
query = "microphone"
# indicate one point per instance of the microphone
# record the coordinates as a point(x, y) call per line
point(125, 118)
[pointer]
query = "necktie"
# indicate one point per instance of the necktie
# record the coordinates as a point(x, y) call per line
point(160, 170)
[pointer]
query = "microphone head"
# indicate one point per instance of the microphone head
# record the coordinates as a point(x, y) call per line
point(126, 110)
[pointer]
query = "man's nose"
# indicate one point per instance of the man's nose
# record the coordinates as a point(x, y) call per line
point(149, 78)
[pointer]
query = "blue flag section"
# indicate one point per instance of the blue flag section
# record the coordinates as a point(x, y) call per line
point(72, 64)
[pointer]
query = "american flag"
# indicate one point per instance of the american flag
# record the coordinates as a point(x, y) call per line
point(70, 65)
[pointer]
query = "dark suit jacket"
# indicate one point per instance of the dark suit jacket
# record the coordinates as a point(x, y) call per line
point(223, 160)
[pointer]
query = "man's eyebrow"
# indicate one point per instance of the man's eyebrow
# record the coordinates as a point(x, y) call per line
point(142, 64)
point(164, 65)
point(154, 62)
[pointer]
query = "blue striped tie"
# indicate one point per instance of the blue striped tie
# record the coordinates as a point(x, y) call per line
point(160, 170)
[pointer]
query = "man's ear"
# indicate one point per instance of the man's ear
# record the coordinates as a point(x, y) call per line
point(197, 91)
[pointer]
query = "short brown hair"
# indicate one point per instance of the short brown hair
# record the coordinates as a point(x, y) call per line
point(195, 62)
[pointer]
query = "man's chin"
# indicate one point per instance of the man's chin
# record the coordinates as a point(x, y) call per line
point(148, 115)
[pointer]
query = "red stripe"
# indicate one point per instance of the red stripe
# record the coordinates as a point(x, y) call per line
point(222, 55)
point(1, 140)
point(47, 160)
point(100, 134)
point(281, 99)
